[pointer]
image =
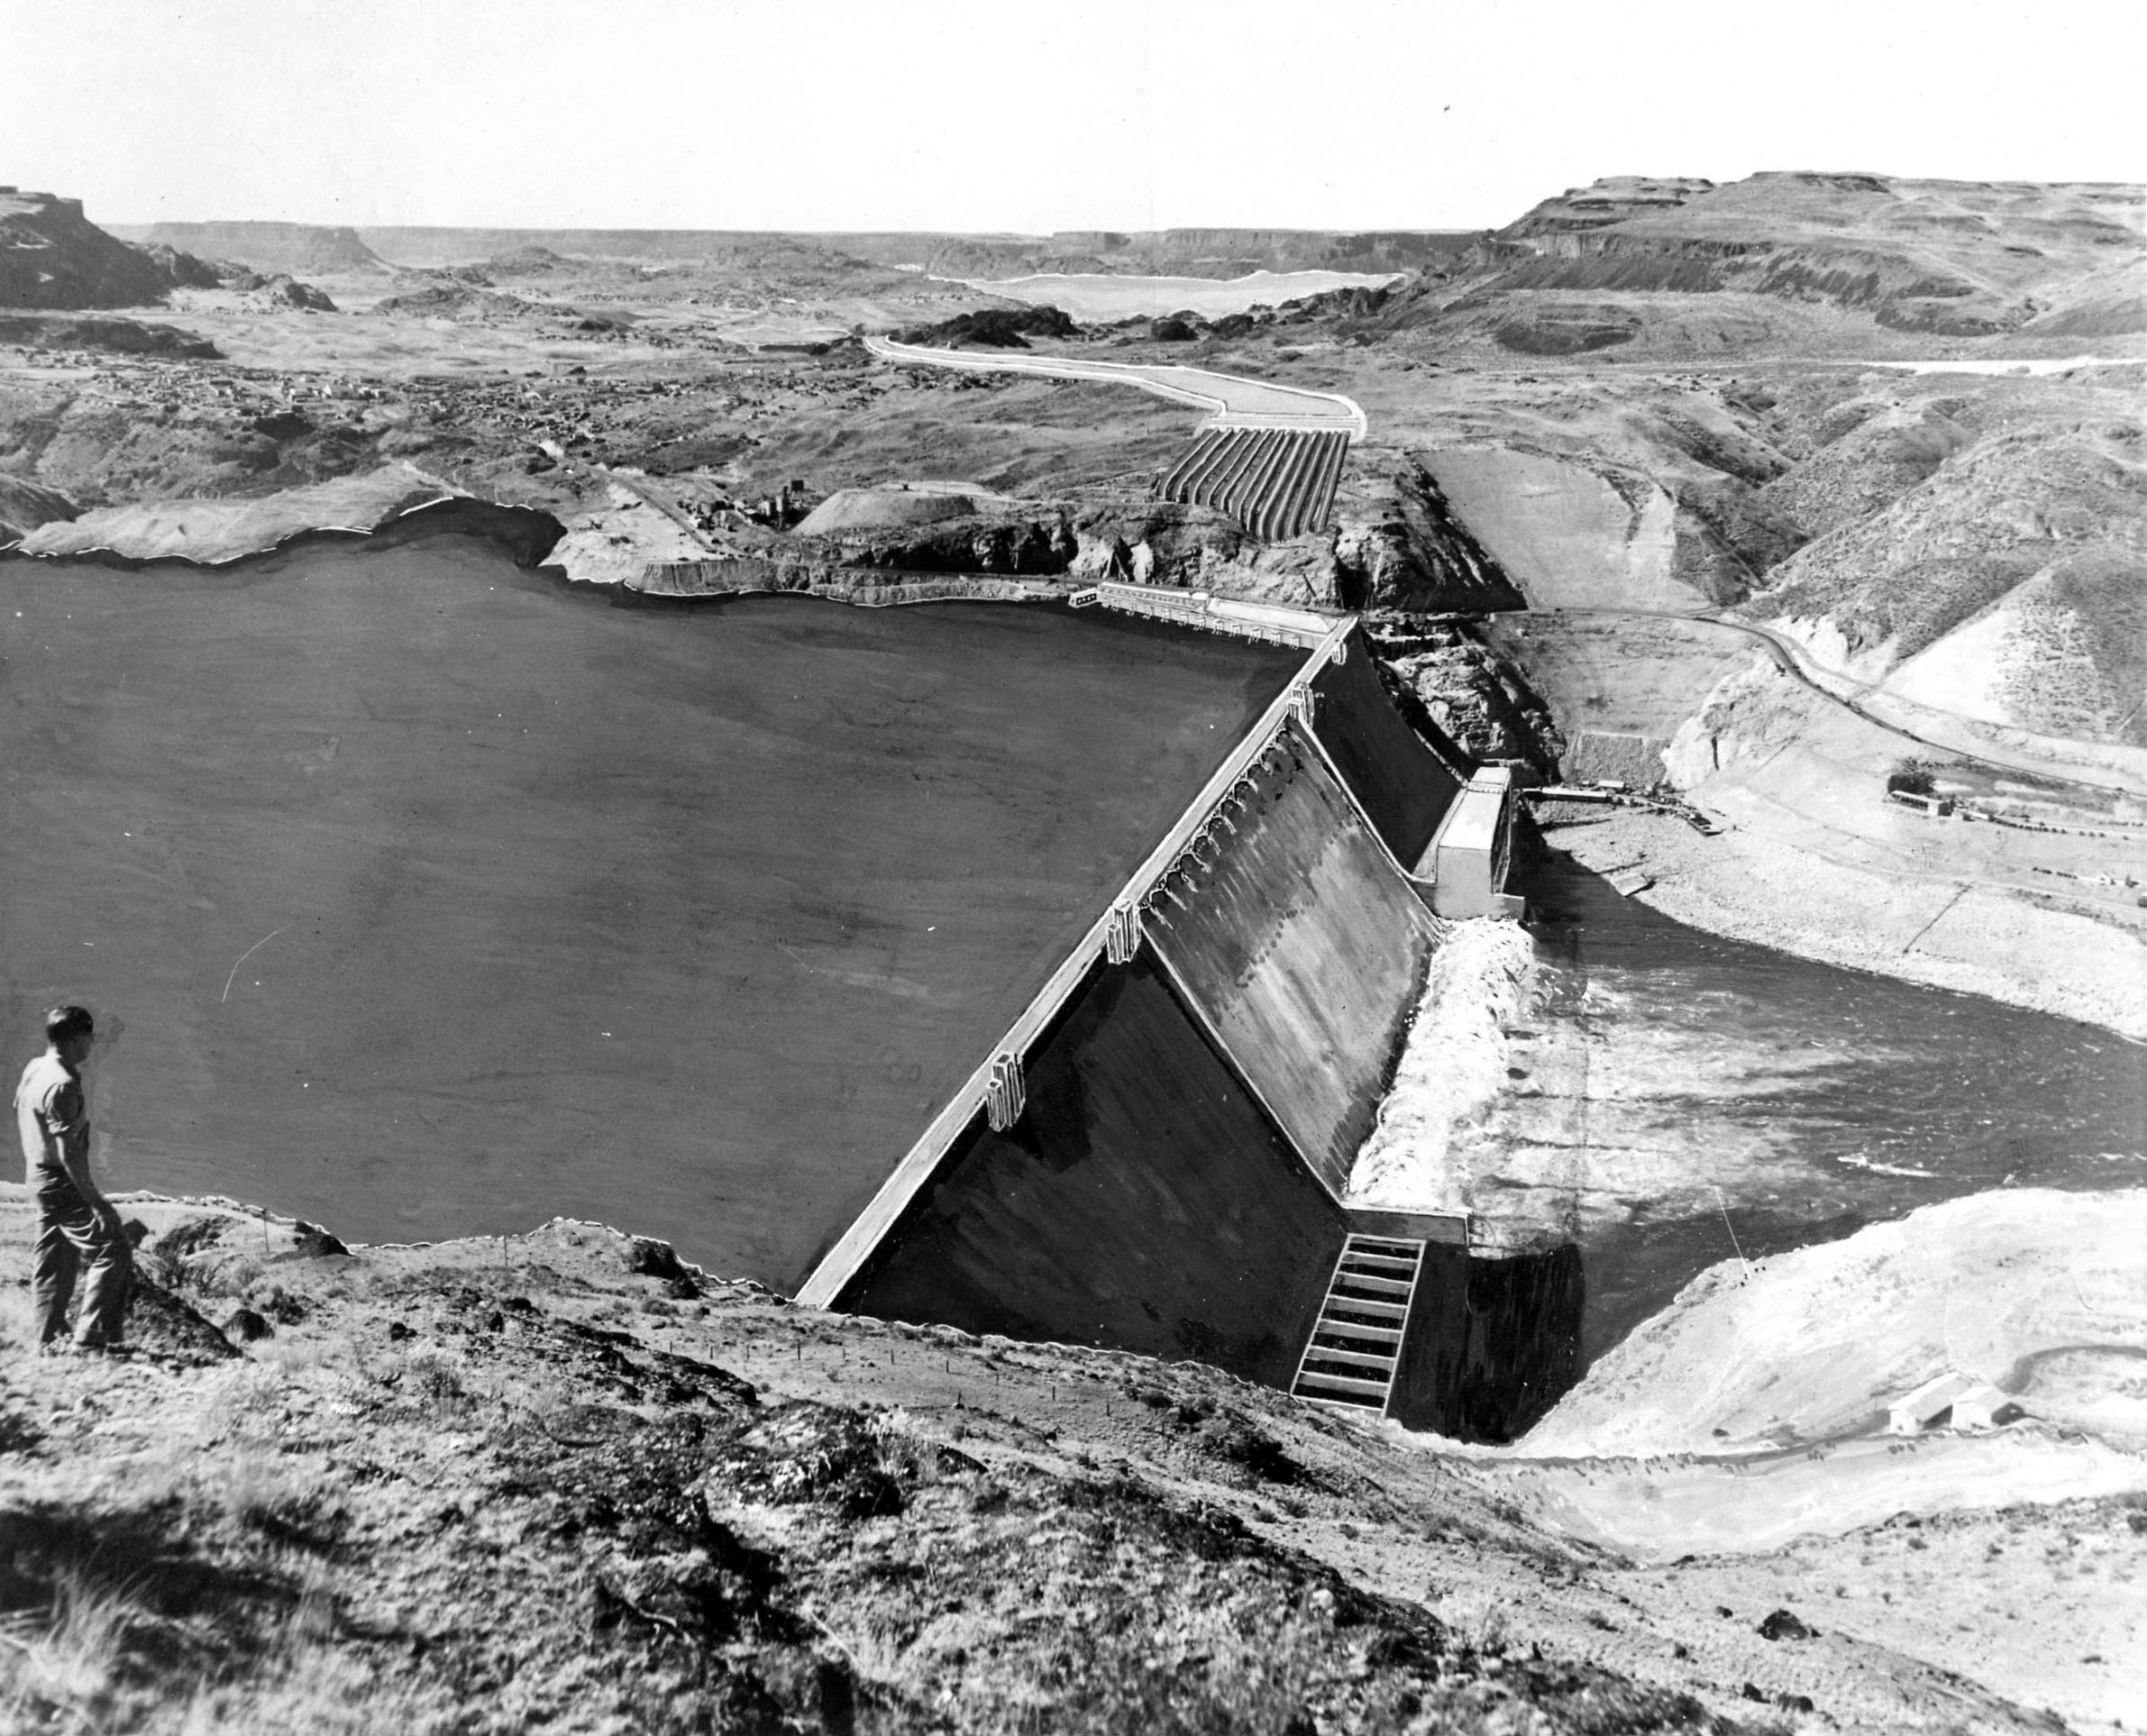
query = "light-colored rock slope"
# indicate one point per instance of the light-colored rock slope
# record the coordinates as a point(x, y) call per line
point(1814, 1345)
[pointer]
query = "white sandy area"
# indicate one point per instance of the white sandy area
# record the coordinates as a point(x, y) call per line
point(1451, 1069)
point(1657, 1510)
point(1965, 672)
point(612, 545)
point(219, 529)
point(1811, 1346)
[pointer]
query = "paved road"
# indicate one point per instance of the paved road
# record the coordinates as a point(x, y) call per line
point(1230, 400)
point(1793, 661)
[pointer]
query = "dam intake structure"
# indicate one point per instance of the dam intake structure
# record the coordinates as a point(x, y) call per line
point(1276, 482)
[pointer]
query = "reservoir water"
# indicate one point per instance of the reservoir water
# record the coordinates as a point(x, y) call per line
point(422, 895)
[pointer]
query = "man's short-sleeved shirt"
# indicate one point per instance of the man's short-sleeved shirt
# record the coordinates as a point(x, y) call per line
point(50, 1113)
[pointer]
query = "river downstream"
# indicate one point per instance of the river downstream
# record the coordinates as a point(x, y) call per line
point(1678, 1098)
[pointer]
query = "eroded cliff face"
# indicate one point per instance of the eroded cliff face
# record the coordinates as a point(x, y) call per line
point(1460, 696)
point(1930, 258)
point(1407, 549)
point(52, 256)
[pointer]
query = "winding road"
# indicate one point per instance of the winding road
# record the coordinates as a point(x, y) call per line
point(1231, 400)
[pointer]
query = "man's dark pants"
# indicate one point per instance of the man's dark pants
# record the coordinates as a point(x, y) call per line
point(72, 1235)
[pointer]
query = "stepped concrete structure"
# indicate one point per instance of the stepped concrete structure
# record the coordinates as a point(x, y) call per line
point(1277, 483)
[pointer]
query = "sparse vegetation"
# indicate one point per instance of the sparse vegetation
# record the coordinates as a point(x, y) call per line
point(1913, 778)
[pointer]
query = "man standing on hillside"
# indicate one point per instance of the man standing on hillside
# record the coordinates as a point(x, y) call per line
point(75, 1223)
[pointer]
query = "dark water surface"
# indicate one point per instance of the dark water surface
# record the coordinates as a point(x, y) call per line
point(1814, 1098)
point(424, 897)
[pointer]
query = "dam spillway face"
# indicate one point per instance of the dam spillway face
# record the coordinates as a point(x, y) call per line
point(1177, 1182)
point(1295, 942)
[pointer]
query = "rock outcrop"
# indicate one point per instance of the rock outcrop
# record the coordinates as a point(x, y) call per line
point(284, 291)
point(122, 337)
point(52, 256)
point(180, 270)
point(994, 328)
point(1442, 677)
point(25, 505)
point(1409, 551)
point(1940, 259)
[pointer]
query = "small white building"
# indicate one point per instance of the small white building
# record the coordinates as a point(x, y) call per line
point(1468, 857)
point(1953, 1400)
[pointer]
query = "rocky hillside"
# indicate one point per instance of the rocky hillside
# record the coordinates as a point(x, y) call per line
point(1219, 253)
point(1591, 269)
point(1980, 550)
point(54, 256)
point(560, 1480)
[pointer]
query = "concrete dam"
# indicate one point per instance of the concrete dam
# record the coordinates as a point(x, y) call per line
point(1158, 1156)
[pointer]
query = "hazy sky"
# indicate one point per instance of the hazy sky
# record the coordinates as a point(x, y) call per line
point(1026, 114)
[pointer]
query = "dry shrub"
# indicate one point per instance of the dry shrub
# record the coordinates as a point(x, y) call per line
point(74, 1664)
point(317, 1690)
point(265, 1494)
point(246, 1402)
point(437, 1381)
point(900, 1451)
point(1476, 1620)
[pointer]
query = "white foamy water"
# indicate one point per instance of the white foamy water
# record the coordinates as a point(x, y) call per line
point(1090, 296)
point(1452, 1068)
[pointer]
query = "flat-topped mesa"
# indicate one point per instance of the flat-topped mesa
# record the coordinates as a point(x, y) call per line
point(1612, 199)
point(303, 249)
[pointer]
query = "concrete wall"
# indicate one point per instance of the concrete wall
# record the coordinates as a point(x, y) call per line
point(1474, 847)
point(1492, 1344)
point(1143, 1200)
point(1400, 782)
point(1303, 947)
